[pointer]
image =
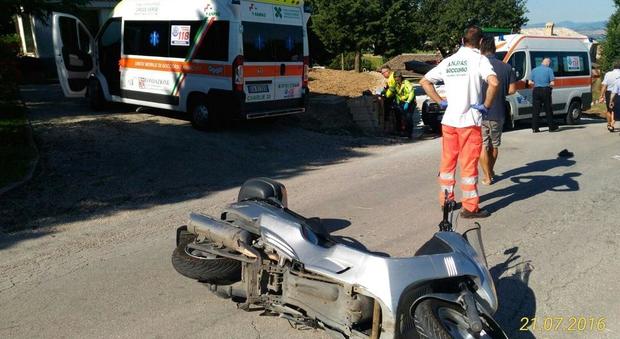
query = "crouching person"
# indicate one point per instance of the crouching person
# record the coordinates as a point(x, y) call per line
point(407, 115)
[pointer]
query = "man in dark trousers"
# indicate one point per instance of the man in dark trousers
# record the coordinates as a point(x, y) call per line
point(542, 77)
point(493, 121)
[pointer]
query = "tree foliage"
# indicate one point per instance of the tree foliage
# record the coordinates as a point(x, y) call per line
point(391, 27)
point(347, 25)
point(611, 45)
point(444, 21)
point(400, 28)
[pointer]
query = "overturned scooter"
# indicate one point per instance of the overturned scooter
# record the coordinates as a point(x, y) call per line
point(265, 257)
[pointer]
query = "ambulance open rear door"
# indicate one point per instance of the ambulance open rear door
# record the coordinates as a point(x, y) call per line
point(73, 53)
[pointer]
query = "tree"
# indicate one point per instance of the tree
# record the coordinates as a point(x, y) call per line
point(611, 45)
point(400, 27)
point(444, 21)
point(347, 25)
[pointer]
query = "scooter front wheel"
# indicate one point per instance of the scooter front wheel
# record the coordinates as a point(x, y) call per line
point(443, 320)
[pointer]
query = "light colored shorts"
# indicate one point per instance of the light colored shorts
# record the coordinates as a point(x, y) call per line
point(492, 133)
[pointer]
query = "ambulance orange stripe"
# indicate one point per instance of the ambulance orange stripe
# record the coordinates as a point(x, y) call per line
point(560, 83)
point(572, 82)
point(253, 71)
point(187, 67)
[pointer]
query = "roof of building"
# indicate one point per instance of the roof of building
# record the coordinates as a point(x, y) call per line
point(557, 31)
point(398, 62)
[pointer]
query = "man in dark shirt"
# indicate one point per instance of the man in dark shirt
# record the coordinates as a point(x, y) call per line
point(493, 121)
point(542, 77)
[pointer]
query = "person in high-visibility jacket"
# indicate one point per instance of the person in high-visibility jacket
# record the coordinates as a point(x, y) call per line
point(463, 74)
point(405, 99)
point(390, 88)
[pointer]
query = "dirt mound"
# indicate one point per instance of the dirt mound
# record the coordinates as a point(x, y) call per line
point(343, 83)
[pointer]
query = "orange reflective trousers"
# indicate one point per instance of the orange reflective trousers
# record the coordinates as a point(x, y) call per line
point(465, 145)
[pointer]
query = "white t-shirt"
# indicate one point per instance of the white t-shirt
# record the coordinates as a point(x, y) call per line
point(462, 73)
point(610, 79)
point(614, 87)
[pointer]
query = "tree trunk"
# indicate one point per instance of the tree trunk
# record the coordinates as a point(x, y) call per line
point(342, 61)
point(358, 61)
point(444, 53)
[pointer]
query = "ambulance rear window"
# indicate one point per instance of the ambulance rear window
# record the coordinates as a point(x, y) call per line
point(177, 39)
point(272, 42)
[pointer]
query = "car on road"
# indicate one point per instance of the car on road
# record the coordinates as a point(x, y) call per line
point(216, 60)
point(430, 110)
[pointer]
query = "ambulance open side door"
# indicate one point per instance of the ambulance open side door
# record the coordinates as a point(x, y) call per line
point(73, 53)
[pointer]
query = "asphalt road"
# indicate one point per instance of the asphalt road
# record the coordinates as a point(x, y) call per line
point(100, 216)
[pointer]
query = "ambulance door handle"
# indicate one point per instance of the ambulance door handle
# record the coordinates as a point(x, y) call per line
point(282, 69)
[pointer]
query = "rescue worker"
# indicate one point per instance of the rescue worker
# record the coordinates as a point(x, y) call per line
point(388, 93)
point(463, 74)
point(405, 100)
point(390, 87)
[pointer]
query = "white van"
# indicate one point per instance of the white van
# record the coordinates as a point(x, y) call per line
point(570, 60)
point(215, 59)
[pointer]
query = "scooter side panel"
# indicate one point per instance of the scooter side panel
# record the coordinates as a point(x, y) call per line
point(383, 278)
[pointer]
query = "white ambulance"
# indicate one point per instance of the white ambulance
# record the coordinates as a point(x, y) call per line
point(570, 60)
point(215, 59)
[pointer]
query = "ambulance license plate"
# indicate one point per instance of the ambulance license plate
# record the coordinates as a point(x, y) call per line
point(261, 88)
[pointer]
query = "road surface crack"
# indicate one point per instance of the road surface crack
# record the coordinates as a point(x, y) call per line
point(255, 329)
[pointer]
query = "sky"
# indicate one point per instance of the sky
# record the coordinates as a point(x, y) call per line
point(569, 10)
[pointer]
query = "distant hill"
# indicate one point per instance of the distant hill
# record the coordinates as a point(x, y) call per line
point(595, 29)
point(577, 26)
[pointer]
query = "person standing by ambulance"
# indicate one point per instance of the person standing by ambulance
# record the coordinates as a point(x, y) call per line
point(607, 86)
point(463, 74)
point(542, 77)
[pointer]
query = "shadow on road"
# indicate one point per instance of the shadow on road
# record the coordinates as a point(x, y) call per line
point(516, 299)
point(528, 186)
point(97, 164)
point(536, 166)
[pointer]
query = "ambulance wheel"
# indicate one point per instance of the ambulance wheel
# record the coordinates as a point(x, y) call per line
point(96, 100)
point(203, 115)
point(574, 113)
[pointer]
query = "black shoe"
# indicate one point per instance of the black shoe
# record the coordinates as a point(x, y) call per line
point(473, 215)
point(536, 131)
point(553, 129)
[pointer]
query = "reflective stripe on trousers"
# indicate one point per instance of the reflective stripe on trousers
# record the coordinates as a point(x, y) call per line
point(464, 144)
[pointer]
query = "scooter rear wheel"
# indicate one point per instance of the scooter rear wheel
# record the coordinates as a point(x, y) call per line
point(216, 270)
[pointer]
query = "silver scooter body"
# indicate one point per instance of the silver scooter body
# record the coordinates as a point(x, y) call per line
point(385, 279)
